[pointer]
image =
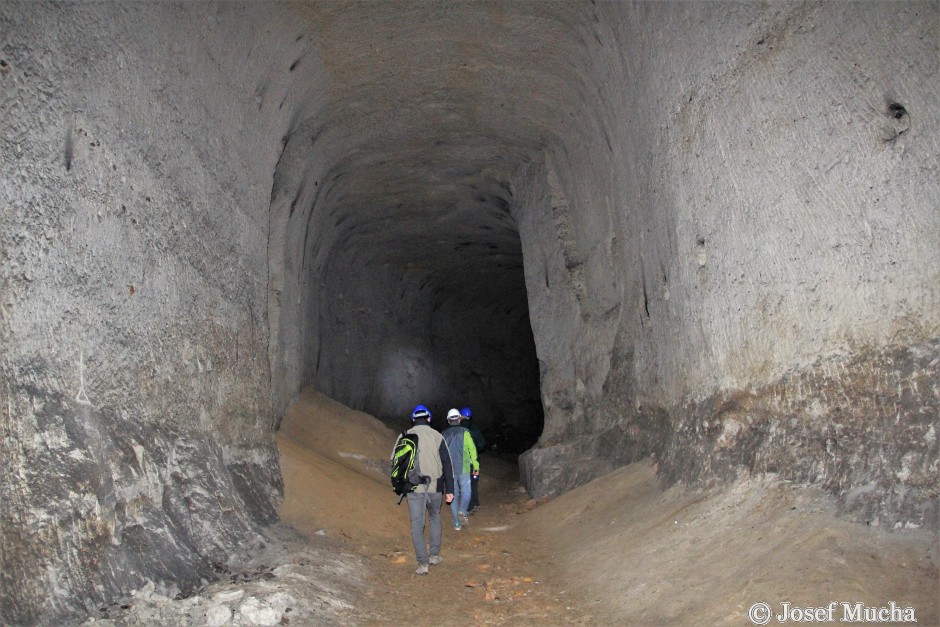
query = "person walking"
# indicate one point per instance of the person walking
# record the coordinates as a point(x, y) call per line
point(480, 442)
point(433, 460)
point(463, 455)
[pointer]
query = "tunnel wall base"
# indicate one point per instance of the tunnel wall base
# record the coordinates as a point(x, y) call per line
point(108, 505)
point(840, 424)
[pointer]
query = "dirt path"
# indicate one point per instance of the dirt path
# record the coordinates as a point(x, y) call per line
point(488, 576)
point(335, 486)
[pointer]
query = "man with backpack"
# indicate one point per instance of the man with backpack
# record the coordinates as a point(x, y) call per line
point(480, 443)
point(423, 454)
point(463, 455)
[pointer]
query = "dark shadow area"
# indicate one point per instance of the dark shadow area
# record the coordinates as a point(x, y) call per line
point(411, 314)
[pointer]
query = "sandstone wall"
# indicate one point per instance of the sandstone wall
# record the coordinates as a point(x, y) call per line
point(773, 234)
point(138, 148)
point(724, 214)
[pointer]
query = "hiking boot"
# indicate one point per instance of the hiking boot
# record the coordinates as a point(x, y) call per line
point(422, 569)
point(434, 560)
point(456, 526)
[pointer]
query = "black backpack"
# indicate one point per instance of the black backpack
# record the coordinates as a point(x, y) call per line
point(406, 474)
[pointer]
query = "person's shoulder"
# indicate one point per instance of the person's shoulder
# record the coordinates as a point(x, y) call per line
point(420, 430)
point(428, 430)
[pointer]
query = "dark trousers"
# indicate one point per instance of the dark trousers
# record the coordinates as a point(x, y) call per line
point(474, 494)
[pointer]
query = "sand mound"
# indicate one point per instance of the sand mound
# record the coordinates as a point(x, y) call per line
point(335, 461)
point(639, 555)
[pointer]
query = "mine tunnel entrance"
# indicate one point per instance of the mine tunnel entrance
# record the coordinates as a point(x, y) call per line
point(412, 306)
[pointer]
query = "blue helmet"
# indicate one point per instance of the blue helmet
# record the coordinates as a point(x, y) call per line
point(421, 413)
point(465, 412)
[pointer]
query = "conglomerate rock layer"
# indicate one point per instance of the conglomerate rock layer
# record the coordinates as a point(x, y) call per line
point(703, 232)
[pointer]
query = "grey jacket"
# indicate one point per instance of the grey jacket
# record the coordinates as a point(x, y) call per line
point(433, 460)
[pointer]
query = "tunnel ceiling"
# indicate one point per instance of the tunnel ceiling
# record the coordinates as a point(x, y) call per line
point(428, 109)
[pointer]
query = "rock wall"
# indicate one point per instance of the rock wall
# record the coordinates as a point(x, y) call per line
point(720, 218)
point(773, 236)
point(137, 405)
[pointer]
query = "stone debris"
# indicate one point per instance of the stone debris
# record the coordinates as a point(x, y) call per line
point(228, 596)
point(291, 580)
point(218, 615)
point(256, 612)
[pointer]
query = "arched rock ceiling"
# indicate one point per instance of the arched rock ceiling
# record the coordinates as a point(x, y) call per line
point(406, 148)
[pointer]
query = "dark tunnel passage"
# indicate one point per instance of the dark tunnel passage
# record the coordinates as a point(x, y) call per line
point(433, 312)
point(407, 202)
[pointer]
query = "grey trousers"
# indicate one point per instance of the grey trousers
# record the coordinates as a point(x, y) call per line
point(416, 507)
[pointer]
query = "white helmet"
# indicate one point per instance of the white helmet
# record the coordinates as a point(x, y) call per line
point(453, 416)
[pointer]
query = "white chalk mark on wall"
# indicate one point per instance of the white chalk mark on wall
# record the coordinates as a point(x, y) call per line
point(81, 397)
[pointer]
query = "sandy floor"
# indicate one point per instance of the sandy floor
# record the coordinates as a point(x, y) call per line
point(618, 551)
point(638, 555)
